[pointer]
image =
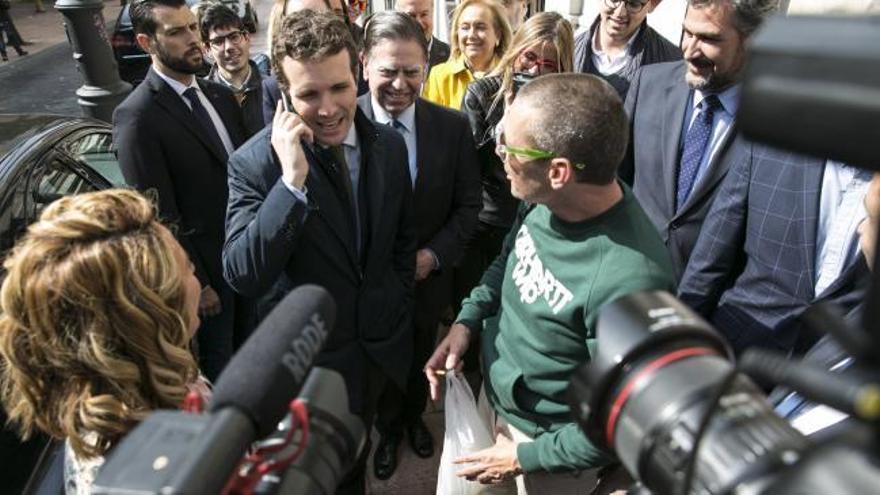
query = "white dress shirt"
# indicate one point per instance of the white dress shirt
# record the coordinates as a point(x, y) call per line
point(407, 119)
point(841, 210)
point(606, 64)
point(179, 88)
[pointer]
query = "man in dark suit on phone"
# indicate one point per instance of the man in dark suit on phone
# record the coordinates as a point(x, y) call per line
point(446, 194)
point(173, 135)
point(324, 197)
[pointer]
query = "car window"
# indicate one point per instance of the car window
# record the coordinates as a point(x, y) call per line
point(94, 149)
point(52, 179)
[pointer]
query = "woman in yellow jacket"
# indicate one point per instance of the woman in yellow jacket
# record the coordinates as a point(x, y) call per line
point(479, 37)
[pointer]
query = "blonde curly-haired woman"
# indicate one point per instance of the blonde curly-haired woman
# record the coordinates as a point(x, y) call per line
point(98, 308)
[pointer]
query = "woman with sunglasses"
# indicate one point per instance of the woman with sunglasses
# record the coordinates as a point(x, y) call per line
point(479, 36)
point(543, 45)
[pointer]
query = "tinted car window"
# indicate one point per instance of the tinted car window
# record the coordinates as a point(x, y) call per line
point(51, 180)
point(94, 149)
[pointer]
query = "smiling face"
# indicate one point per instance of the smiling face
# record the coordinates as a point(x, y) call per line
point(420, 10)
point(395, 71)
point(713, 49)
point(618, 23)
point(537, 59)
point(230, 48)
point(323, 92)
point(477, 37)
point(175, 48)
point(528, 176)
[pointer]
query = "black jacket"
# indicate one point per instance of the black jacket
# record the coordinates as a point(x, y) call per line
point(649, 47)
point(252, 102)
point(484, 114)
point(162, 147)
point(275, 243)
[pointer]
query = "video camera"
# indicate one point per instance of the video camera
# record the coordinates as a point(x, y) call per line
point(661, 390)
point(306, 451)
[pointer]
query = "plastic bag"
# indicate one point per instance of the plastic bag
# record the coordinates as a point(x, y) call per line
point(466, 433)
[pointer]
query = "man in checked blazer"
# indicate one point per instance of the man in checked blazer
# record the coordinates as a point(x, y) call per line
point(781, 235)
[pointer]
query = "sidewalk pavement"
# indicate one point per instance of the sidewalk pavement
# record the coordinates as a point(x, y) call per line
point(45, 30)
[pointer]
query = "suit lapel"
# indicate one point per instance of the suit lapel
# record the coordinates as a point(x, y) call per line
point(677, 97)
point(168, 99)
point(373, 171)
point(715, 171)
point(223, 110)
point(424, 165)
point(811, 171)
point(321, 192)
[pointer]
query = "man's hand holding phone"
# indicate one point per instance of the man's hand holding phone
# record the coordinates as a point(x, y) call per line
point(288, 132)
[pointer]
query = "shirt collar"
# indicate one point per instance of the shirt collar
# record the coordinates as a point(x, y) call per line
point(407, 117)
point(729, 98)
point(629, 43)
point(176, 85)
point(351, 139)
point(456, 66)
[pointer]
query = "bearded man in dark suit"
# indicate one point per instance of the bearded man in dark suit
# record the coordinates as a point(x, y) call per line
point(173, 135)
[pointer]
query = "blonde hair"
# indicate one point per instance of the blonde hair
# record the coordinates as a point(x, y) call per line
point(275, 16)
point(93, 330)
point(500, 24)
point(549, 27)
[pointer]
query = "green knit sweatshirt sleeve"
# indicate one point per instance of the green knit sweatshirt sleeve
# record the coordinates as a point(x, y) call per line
point(485, 299)
point(566, 449)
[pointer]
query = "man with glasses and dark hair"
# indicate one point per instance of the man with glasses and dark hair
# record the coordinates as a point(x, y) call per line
point(446, 199)
point(579, 241)
point(683, 120)
point(620, 42)
point(173, 134)
point(229, 43)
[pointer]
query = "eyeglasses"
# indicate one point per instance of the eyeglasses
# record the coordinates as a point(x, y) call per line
point(529, 59)
point(234, 37)
point(632, 6)
point(504, 150)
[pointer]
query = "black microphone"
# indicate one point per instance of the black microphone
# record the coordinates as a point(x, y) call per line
point(253, 391)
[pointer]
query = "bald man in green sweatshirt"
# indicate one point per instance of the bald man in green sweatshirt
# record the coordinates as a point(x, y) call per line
point(581, 240)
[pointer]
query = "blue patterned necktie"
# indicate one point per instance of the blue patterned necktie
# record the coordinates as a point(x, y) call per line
point(695, 144)
point(204, 119)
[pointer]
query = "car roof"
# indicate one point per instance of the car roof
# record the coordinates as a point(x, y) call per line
point(15, 128)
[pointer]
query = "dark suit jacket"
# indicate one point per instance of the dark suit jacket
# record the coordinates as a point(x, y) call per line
point(752, 271)
point(656, 104)
point(439, 53)
point(275, 243)
point(446, 198)
point(162, 147)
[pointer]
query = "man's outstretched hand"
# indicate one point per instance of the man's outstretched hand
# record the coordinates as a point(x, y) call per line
point(447, 356)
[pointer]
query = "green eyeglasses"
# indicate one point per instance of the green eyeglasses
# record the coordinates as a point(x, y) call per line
point(503, 150)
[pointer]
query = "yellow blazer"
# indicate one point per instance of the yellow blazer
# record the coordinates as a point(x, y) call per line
point(447, 83)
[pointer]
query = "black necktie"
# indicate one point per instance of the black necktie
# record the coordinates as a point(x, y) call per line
point(204, 119)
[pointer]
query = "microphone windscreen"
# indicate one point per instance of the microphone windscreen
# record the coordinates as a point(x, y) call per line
point(270, 368)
